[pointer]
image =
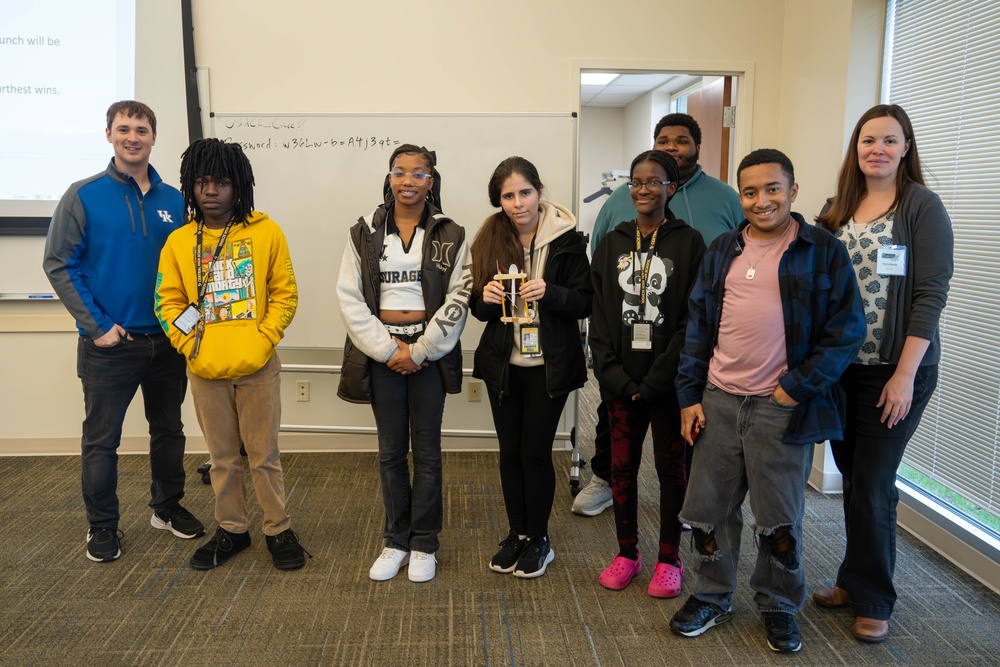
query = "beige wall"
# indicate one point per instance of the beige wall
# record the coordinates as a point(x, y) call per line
point(467, 55)
point(601, 132)
point(826, 84)
point(639, 121)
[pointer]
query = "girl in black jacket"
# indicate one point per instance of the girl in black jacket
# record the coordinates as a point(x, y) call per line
point(643, 271)
point(529, 368)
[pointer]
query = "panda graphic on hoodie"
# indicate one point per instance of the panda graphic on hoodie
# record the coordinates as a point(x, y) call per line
point(630, 266)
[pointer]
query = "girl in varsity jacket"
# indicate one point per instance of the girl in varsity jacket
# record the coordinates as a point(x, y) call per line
point(404, 290)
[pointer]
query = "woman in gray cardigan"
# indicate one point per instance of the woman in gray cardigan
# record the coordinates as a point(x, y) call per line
point(900, 240)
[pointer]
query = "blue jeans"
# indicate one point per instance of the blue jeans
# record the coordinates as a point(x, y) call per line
point(408, 412)
point(868, 458)
point(110, 377)
point(740, 449)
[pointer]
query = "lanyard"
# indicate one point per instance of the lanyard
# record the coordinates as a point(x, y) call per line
point(527, 270)
point(646, 265)
point(531, 256)
point(202, 281)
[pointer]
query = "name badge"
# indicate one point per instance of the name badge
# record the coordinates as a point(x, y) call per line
point(642, 336)
point(531, 346)
point(186, 321)
point(891, 260)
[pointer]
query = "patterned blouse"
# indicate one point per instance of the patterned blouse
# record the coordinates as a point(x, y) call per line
point(863, 243)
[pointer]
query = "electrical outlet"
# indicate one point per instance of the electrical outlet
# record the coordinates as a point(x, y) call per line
point(475, 391)
point(302, 391)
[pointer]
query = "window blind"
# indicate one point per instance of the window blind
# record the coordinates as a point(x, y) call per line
point(943, 67)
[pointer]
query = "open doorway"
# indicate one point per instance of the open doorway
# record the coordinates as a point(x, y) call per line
point(619, 110)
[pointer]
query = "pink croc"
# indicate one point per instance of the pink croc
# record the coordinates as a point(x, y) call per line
point(619, 574)
point(666, 581)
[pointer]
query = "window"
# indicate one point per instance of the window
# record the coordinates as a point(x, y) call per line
point(941, 66)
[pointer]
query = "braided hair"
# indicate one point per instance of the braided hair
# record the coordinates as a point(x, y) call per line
point(218, 159)
point(430, 157)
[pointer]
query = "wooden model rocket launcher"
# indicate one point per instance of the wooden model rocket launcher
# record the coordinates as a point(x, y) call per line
point(514, 298)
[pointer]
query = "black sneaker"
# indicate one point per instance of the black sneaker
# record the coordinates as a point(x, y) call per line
point(782, 632)
point(511, 549)
point(696, 617)
point(104, 544)
point(286, 551)
point(223, 546)
point(178, 521)
point(535, 558)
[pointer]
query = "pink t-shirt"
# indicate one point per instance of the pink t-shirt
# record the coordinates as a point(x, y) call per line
point(750, 355)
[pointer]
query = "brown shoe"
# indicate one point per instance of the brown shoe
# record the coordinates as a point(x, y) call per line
point(870, 630)
point(831, 598)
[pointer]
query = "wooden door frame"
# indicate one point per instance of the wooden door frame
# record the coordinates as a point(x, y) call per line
point(744, 71)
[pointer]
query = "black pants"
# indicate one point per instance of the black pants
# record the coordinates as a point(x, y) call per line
point(526, 420)
point(868, 458)
point(600, 464)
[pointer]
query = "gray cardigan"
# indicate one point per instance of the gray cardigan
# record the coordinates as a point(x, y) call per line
point(915, 301)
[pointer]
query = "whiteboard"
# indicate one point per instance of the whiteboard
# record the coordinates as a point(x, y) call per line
point(316, 174)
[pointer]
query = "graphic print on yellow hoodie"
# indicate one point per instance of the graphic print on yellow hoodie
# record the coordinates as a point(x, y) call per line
point(250, 299)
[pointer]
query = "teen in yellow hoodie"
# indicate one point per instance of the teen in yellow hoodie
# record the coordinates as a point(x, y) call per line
point(224, 295)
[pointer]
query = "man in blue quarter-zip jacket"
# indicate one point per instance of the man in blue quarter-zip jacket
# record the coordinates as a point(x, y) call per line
point(101, 256)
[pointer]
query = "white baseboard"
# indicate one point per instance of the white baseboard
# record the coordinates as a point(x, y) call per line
point(826, 482)
point(288, 442)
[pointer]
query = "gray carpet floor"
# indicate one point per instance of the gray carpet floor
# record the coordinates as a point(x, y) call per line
point(150, 608)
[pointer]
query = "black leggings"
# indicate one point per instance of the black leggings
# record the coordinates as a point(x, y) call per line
point(526, 419)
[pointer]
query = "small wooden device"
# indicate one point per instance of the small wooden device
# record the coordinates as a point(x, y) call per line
point(512, 296)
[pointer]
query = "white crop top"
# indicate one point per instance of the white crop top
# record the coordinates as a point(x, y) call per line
point(399, 269)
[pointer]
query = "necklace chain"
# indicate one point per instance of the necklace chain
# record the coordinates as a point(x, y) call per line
point(751, 272)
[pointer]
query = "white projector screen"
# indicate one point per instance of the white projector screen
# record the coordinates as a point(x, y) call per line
point(62, 63)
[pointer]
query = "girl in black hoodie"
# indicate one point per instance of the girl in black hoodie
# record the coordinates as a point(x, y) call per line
point(529, 368)
point(642, 272)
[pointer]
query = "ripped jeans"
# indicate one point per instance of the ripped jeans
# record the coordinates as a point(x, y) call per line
point(740, 450)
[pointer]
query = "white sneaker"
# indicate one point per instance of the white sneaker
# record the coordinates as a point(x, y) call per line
point(387, 565)
point(593, 498)
point(423, 567)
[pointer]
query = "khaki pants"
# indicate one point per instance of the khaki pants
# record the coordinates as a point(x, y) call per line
point(247, 410)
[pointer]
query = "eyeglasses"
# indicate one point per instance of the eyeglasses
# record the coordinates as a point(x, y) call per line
point(399, 176)
point(651, 185)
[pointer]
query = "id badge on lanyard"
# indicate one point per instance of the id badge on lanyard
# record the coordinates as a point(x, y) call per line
point(642, 335)
point(642, 330)
point(186, 321)
point(530, 343)
point(531, 346)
